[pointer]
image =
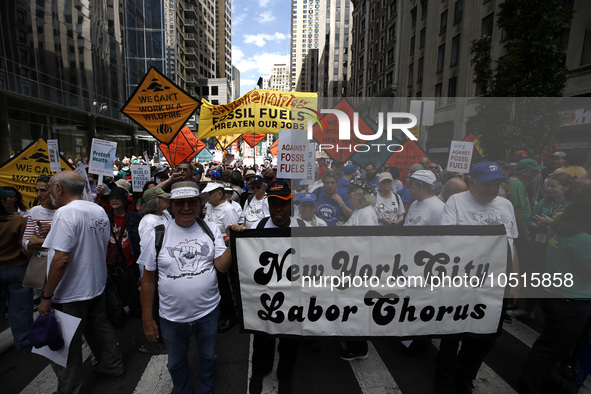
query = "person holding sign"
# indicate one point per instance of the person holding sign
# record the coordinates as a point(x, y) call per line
point(478, 206)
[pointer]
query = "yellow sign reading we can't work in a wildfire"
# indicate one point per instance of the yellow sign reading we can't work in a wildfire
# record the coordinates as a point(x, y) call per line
point(160, 106)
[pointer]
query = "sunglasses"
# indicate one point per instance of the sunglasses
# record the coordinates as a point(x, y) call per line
point(257, 186)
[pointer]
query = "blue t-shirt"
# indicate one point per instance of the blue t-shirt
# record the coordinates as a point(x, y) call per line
point(328, 210)
point(373, 182)
point(343, 191)
point(405, 196)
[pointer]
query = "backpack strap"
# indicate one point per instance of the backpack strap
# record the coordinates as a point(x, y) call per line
point(158, 239)
point(301, 223)
point(205, 228)
point(263, 222)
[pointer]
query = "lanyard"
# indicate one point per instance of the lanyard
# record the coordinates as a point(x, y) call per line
point(554, 211)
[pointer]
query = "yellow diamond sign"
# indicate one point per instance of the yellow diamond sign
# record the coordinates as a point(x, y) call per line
point(160, 106)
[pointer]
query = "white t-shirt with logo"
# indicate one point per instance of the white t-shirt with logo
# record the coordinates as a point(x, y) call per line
point(391, 207)
point(463, 209)
point(80, 228)
point(365, 216)
point(425, 213)
point(255, 210)
point(221, 215)
point(187, 278)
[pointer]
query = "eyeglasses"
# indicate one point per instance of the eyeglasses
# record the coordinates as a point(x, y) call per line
point(433, 168)
point(181, 202)
point(257, 186)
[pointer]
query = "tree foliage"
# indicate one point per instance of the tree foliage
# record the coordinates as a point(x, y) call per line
point(531, 65)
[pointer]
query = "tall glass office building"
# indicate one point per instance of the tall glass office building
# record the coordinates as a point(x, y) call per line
point(62, 74)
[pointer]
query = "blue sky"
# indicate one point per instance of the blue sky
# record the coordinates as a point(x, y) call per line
point(260, 38)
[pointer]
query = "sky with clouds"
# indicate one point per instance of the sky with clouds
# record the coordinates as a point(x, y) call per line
point(260, 38)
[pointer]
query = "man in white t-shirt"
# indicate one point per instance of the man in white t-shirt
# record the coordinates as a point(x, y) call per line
point(478, 206)
point(76, 279)
point(185, 268)
point(426, 210)
point(257, 206)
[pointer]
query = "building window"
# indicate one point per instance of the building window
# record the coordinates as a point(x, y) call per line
point(389, 79)
point(410, 70)
point(455, 50)
point(487, 26)
point(438, 92)
point(458, 10)
point(412, 45)
point(420, 70)
point(443, 22)
point(423, 9)
point(440, 57)
point(413, 17)
point(214, 91)
point(422, 37)
point(451, 91)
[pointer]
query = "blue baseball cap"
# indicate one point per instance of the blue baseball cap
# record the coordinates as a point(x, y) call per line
point(307, 197)
point(486, 171)
point(350, 168)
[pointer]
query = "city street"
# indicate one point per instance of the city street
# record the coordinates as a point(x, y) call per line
point(389, 368)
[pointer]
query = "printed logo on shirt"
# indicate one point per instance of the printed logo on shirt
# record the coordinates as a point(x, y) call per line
point(99, 224)
point(188, 255)
point(413, 218)
point(326, 212)
point(488, 216)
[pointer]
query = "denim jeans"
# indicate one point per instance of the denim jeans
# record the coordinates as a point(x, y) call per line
point(20, 305)
point(177, 337)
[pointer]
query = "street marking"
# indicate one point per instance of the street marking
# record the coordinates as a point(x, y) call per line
point(155, 378)
point(6, 338)
point(46, 381)
point(373, 375)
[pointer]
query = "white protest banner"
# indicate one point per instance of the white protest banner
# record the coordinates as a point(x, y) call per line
point(371, 281)
point(54, 156)
point(310, 164)
point(86, 193)
point(292, 154)
point(140, 175)
point(460, 156)
point(218, 156)
point(102, 156)
point(146, 157)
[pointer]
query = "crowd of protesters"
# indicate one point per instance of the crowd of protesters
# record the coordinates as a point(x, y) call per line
point(171, 242)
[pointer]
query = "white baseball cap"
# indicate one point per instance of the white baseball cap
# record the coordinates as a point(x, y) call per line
point(426, 176)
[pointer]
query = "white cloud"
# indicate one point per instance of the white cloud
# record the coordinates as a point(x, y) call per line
point(265, 17)
point(261, 39)
point(237, 20)
point(246, 85)
point(258, 64)
point(237, 54)
point(263, 3)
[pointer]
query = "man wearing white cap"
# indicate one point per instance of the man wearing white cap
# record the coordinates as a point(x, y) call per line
point(426, 210)
point(191, 253)
point(389, 206)
point(217, 209)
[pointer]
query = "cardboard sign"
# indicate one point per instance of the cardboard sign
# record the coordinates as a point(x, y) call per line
point(86, 193)
point(226, 140)
point(205, 156)
point(411, 154)
point(21, 170)
point(160, 106)
point(293, 155)
point(371, 281)
point(274, 147)
point(54, 155)
point(182, 148)
point(102, 155)
point(258, 111)
point(140, 175)
point(254, 139)
point(460, 156)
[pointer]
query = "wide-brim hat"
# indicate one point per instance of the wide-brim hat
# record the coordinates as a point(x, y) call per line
point(212, 186)
point(187, 189)
point(360, 183)
point(249, 174)
point(118, 192)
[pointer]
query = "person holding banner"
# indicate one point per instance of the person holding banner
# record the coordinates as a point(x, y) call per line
point(426, 210)
point(280, 197)
point(478, 206)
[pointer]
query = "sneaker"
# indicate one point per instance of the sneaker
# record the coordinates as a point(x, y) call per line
point(521, 314)
point(348, 355)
